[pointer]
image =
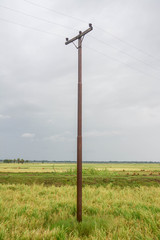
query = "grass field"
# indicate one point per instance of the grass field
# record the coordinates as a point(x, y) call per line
point(120, 201)
point(63, 167)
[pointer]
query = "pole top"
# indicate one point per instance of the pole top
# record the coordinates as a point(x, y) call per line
point(81, 34)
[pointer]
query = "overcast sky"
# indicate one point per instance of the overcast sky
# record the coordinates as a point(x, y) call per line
point(121, 79)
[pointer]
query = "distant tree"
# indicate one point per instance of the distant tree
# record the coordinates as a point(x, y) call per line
point(18, 160)
point(5, 160)
point(22, 160)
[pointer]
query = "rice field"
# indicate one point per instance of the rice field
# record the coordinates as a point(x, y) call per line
point(40, 202)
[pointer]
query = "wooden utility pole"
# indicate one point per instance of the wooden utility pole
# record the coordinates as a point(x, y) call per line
point(79, 37)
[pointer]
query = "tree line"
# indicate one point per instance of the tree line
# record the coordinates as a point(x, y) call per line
point(18, 160)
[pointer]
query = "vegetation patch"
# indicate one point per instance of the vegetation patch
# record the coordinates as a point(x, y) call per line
point(116, 205)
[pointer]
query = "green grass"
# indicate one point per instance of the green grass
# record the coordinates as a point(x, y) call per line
point(39, 212)
point(120, 201)
point(91, 176)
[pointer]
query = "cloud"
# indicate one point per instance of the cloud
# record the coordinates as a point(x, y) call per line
point(4, 116)
point(50, 121)
point(66, 136)
point(38, 80)
point(28, 135)
point(96, 133)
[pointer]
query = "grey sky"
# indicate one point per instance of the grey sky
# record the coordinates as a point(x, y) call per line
point(121, 79)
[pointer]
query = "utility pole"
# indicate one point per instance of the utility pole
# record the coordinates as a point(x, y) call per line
point(79, 37)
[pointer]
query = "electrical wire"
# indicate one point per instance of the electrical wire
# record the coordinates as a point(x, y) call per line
point(105, 55)
point(38, 18)
point(52, 10)
point(127, 54)
point(51, 22)
point(95, 26)
point(32, 28)
point(49, 33)
point(127, 43)
point(126, 64)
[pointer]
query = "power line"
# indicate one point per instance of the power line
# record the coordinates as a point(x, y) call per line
point(49, 33)
point(52, 34)
point(52, 10)
point(129, 44)
point(127, 54)
point(38, 18)
point(101, 29)
point(117, 60)
point(32, 28)
point(51, 22)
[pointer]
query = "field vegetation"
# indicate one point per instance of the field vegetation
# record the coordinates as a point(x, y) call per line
point(120, 201)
